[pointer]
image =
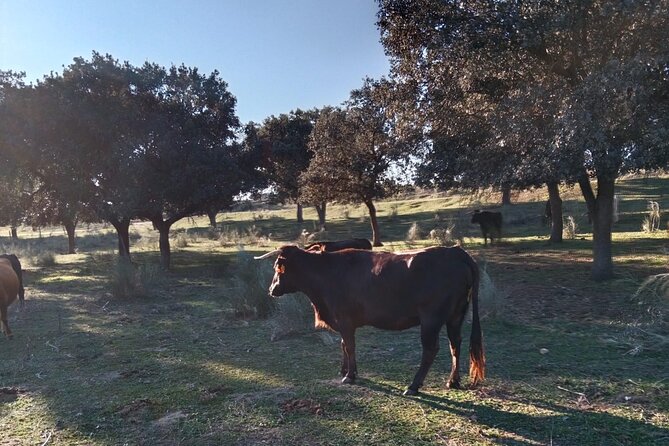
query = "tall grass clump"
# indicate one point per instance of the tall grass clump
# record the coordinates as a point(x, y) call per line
point(304, 238)
point(446, 236)
point(293, 315)
point(649, 331)
point(414, 233)
point(570, 228)
point(251, 235)
point(130, 281)
point(43, 259)
point(651, 222)
point(181, 240)
point(229, 237)
point(492, 298)
point(248, 297)
point(394, 211)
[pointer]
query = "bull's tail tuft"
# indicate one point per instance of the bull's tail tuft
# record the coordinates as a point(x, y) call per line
point(476, 353)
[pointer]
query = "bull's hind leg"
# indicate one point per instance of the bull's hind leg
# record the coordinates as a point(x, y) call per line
point(3, 321)
point(429, 337)
point(455, 338)
point(349, 367)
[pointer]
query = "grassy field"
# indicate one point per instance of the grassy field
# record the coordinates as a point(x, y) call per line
point(185, 360)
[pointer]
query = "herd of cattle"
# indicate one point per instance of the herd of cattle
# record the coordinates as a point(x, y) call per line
point(351, 286)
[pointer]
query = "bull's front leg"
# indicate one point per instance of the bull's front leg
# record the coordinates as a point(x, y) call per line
point(349, 368)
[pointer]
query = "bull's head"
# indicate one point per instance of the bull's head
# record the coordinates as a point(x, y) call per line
point(476, 216)
point(283, 281)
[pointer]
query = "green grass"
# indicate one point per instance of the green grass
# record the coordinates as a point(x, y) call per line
point(177, 367)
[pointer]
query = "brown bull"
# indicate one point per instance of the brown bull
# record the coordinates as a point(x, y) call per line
point(9, 290)
point(393, 291)
point(16, 265)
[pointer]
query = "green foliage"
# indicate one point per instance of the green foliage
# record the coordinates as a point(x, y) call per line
point(284, 139)
point(141, 142)
point(522, 93)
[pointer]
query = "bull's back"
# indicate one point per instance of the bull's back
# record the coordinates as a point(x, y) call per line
point(392, 290)
point(9, 282)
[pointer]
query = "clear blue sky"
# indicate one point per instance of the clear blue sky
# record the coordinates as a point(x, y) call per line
point(276, 55)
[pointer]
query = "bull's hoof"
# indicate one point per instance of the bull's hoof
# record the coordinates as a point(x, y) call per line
point(453, 385)
point(348, 380)
point(410, 392)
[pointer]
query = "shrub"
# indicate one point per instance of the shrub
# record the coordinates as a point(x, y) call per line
point(445, 236)
point(44, 259)
point(229, 237)
point(181, 240)
point(248, 295)
point(129, 281)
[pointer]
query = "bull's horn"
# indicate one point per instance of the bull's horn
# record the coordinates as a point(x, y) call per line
point(269, 254)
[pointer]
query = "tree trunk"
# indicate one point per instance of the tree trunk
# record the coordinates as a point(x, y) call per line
point(556, 212)
point(600, 209)
point(211, 213)
point(376, 235)
point(122, 227)
point(300, 216)
point(14, 234)
point(320, 210)
point(506, 194)
point(70, 226)
point(164, 242)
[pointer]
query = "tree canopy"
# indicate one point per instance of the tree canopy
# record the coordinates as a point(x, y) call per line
point(126, 142)
point(530, 92)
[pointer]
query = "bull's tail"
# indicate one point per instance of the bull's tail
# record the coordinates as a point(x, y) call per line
point(476, 353)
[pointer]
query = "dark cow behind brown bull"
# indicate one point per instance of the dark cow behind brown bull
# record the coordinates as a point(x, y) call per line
point(355, 243)
point(16, 266)
point(491, 224)
point(9, 291)
point(393, 291)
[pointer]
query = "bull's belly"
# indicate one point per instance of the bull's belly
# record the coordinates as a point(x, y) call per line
point(401, 323)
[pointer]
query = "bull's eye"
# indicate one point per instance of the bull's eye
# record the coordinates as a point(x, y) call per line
point(280, 269)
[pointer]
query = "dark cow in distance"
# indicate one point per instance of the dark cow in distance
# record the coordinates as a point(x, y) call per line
point(16, 266)
point(491, 224)
point(355, 243)
point(9, 291)
point(392, 291)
